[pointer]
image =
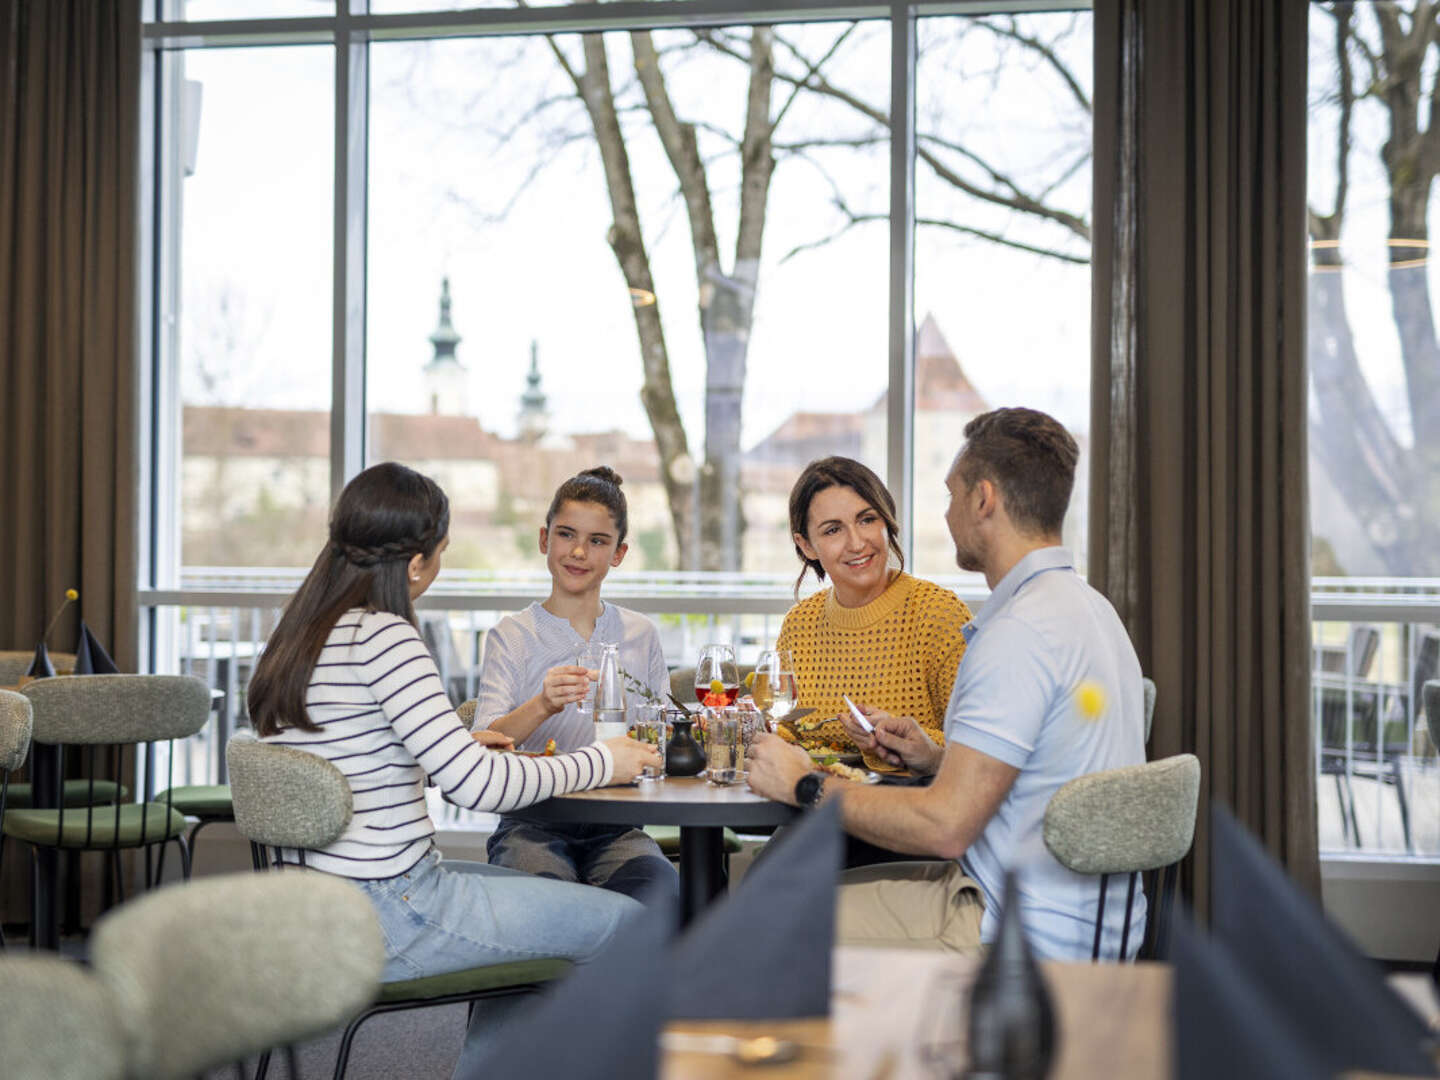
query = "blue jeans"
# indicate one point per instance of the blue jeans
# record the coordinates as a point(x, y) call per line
point(613, 857)
point(446, 916)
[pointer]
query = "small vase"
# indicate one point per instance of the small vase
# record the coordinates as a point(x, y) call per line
point(40, 667)
point(683, 756)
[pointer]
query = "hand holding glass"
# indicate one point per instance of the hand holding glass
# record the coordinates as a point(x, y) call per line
point(588, 657)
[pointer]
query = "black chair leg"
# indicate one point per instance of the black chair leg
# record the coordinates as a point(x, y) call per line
point(184, 857)
point(343, 1057)
point(1100, 918)
point(262, 1067)
point(292, 1059)
point(1404, 804)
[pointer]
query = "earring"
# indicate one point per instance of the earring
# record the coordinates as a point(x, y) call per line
point(414, 577)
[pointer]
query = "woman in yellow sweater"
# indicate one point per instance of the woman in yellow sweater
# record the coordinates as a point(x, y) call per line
point(879, 635)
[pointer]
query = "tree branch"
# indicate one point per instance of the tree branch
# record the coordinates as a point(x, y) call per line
point(681, 148)
point(757, 162)
point(1046, 53)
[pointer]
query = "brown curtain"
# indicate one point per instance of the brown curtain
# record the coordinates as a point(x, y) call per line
point(69, 131)
point(1199, 526)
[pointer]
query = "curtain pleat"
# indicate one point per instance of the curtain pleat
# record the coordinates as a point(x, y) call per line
point(69, 131)
point(1199, 521)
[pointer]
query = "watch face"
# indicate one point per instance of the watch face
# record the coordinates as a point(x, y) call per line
point(807, 789)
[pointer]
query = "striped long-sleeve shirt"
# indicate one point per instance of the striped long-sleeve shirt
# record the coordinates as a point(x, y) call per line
point(386, 723)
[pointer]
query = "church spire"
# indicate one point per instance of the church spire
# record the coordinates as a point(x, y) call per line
point(447, 380)
point(533, 419)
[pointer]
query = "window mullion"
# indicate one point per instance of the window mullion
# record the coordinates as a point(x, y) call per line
point(347, 409)
point(900, 413)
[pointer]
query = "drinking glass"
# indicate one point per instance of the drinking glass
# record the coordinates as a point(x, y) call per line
point(717, 664)
point(588, 657)
point(775, 689)
point(725, 746)
point(649, 727)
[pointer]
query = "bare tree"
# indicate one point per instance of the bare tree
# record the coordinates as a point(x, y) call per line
point(780, 72)
point(1384, 61)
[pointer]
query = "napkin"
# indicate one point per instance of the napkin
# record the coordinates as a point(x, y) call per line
point(764, 954)
point(1225, 1025)
point(91, 657)
point(603, 1020)
point(1312, 973)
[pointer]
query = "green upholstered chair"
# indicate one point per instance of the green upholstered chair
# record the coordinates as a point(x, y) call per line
point(286, 798)
point(109, 720)
point(1132, 820)
point(248, 962)
point(58, 1021)
point(204, 803)
point(16, 722)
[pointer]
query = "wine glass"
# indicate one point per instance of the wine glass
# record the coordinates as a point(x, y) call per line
point(775, 690)
point(717, 664)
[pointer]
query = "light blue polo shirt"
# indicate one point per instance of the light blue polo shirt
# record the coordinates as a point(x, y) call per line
point(1042, 635)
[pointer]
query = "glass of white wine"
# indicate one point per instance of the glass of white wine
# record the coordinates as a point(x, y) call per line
point(775, 690)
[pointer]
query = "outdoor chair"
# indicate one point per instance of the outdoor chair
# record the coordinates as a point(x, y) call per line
point(112, 723)
point(16, 721)
point(1139, 819)
point(288, 801)
point(213, 971)
point(59, 1021)
point(13, 664)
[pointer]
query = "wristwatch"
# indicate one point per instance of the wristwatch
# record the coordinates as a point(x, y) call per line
point(809, 789)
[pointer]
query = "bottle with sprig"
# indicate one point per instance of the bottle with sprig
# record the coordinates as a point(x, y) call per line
point(40, 665)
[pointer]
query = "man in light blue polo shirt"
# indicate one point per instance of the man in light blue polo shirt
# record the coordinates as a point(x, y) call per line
point(1049, 689)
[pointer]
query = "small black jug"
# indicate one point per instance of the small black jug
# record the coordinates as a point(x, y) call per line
point(683, 756)
point(1012, 1024)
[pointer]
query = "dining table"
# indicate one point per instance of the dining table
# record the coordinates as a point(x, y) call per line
point(702, 811)
point(900, 1014)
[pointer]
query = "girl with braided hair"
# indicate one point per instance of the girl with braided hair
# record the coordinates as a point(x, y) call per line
point(346, 676)
point(529, 684)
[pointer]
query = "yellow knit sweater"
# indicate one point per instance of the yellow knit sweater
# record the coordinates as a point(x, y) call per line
point(898, 653)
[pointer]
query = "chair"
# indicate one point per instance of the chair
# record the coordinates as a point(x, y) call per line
point(59, 1021)
point(103, 715)
point(1353, 733)
point(1132, 820)
point(212, 971)
point(287, 798)
point(16, 721)
point(206, 803)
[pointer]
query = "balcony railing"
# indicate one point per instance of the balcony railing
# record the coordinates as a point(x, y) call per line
point(1375, 643)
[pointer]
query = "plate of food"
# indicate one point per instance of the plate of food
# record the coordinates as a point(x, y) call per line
point(835, 767)
point(843, 757)
point(549, 750)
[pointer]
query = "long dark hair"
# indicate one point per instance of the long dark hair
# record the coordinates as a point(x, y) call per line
point(598, 485)
point(839, 472)
point(384, 517)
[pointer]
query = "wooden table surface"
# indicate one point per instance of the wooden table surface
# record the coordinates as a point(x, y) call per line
point(898, 1014)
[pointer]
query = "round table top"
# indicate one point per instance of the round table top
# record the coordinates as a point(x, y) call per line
point(675, 800)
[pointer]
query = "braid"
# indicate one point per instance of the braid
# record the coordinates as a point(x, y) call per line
point(367, 556)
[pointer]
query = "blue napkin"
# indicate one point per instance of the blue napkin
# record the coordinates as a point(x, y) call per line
point(1305, 965)
point(764, 953)
point(604, 1019)
point(91, 657)
point(1225, 1025)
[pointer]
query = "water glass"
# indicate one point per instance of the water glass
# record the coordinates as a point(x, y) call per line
point(724, 746)
point(649, 727)
point(588, 657)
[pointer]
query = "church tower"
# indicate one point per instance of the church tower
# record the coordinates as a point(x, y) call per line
point(533, 420)
point(447, 380)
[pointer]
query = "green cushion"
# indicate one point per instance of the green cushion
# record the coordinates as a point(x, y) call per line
point(201, 800)
point(668, 837)
point(492, 977)
point(77, 793)
point(38, 826)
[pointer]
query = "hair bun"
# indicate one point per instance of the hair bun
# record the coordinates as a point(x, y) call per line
point(604, 472)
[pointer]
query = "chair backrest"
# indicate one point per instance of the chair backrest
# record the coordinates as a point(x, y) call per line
point(1147, 685)
point(1427, 667)
point(1364, 644)
point(1136, 818)
point(58, 1021)
point(16, 720)
point(98, 709)
point(286, 797)
point(14, 664)
point(1431, 698)
point(211, 971)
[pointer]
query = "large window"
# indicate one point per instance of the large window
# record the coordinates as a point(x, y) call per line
point(247, 344)
point(1374, 423)
point(670, 249)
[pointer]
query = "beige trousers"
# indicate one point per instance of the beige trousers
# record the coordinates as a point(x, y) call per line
point(924, 905)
